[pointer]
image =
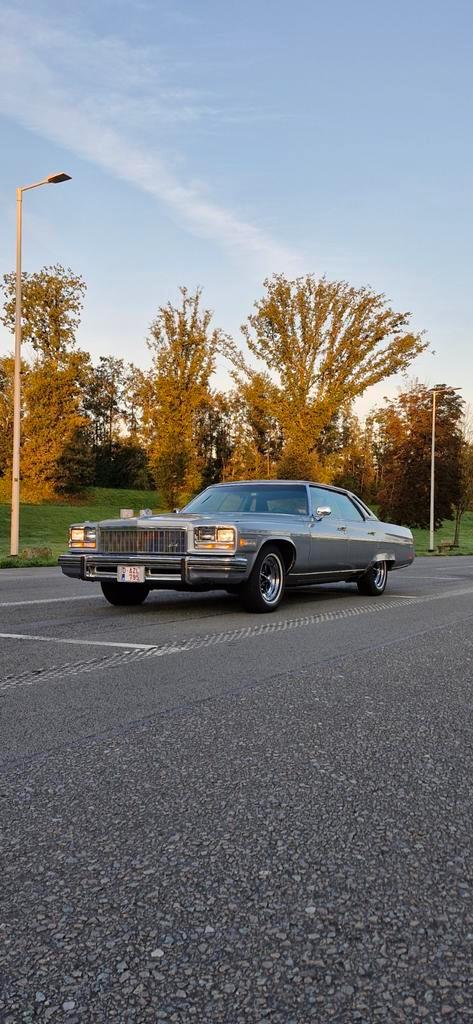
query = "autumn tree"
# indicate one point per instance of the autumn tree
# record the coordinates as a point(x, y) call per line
point(321, 343)
point(350, 453)
point(403, 447)
point(256, 431)
point(52, 302)
point(214, 437)
point(55, 442)
point(184, 348)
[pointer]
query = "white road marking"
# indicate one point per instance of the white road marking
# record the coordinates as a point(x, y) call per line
point(9, 574)
point(82, 643)
point(245, 632)
point(443, 577)
point(51, 600)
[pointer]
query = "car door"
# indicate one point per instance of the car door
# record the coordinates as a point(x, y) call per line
point(328, 534)
point(360, 532)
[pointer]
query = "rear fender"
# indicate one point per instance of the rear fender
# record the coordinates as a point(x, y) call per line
point(384, 556)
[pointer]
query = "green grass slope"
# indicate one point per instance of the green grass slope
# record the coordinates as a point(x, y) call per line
point(47, 525)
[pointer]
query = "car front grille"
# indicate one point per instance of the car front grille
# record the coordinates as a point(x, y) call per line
point(134, 542)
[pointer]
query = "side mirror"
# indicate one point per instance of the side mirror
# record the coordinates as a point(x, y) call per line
point(323, 511)
point(175, 510)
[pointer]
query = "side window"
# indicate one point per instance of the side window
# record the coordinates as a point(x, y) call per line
point(347, 509)
point(320, 498)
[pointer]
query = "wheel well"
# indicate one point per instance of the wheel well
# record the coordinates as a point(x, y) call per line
point(287, 550)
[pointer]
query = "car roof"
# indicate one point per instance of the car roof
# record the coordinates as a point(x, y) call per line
point(303, 483)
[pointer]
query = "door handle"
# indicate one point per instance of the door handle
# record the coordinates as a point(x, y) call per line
point(342, 529)
point(371, 533)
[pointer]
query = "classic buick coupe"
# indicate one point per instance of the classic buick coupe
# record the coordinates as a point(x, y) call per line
point(251, 538)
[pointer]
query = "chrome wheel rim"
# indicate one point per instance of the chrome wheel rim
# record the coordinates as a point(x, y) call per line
point(380, 573)
point(271, 578)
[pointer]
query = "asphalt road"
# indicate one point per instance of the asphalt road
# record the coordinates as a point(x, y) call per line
point(210, 816)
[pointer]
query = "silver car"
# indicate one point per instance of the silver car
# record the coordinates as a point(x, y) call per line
point(252, 538)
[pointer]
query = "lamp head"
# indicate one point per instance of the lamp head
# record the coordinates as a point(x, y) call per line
point(54, 179)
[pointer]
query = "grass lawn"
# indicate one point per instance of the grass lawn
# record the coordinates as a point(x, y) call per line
point(47, 525)
point(446, 532)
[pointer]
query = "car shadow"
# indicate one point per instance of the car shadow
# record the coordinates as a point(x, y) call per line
point(208, 604)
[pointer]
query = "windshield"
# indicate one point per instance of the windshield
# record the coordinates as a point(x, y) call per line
point(274, 499)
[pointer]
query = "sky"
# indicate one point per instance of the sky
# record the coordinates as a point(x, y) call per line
point(214, 144)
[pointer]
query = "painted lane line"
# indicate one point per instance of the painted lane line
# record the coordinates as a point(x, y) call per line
point(244, 633)
point(7, 574)
point(51, 600)
point(81, 643)
point(442, 577)
point(133, 653)
point(137, 652)
point(210, 638)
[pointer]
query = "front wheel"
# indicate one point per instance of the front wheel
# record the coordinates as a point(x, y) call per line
point(373, 583)
point(264, 590)
point(125, 593)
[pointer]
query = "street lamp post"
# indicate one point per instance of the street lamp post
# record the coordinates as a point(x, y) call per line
point(53, 179)
point(435, 392)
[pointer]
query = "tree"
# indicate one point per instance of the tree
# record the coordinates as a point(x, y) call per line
point(104, 388)
point(322, 344)
point(57, 451)
point(55, 439)
point(175, 391)
point(128, 466)
point(132, 400)
point(351, 452)
point(52, 301)
point(404, 447)
point(214, 437)
point(257, 435)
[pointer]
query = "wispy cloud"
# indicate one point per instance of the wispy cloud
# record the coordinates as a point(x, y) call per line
point(108, 103)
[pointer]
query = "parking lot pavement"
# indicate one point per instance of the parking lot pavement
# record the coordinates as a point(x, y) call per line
point(214, 816)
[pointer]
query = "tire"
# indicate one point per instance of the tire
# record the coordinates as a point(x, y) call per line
point(264, 590)
point(373, 583)
point(125, 593)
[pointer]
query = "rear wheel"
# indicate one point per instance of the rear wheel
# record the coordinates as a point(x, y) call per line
point(373, 583)
point(125, 593)
point(264, 590)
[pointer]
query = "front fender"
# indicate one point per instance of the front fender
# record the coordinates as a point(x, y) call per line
point(286, 545)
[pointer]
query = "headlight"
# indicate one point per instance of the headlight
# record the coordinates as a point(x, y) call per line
point(214, 538)
point(82, 537)
point(225, 535)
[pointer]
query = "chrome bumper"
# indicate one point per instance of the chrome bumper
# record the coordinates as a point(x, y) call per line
point(160, 570)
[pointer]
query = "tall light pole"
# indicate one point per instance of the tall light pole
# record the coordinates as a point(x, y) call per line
point(435, 392)
point(53, 179)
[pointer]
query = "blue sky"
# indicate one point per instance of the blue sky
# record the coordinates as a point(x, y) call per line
point(213, 143)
